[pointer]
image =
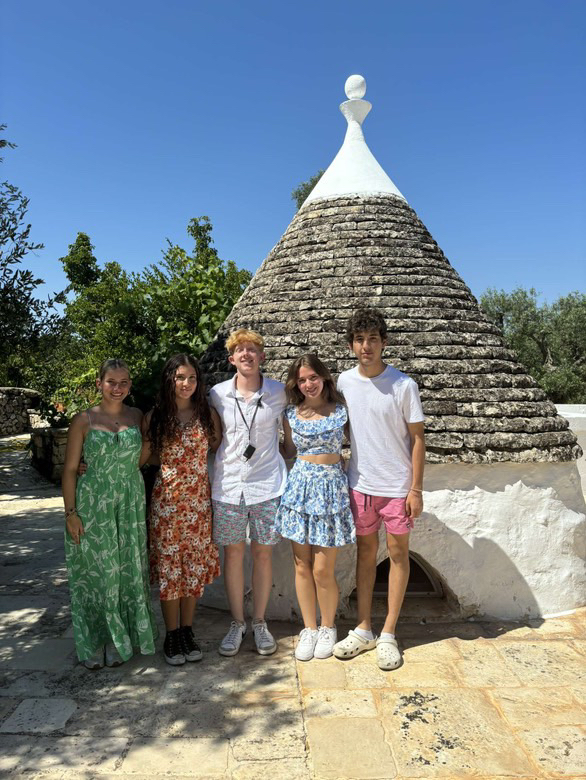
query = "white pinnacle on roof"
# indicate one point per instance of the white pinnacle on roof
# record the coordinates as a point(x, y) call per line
point(354, 170)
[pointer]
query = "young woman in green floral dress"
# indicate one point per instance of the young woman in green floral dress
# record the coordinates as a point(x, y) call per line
point(105, 539)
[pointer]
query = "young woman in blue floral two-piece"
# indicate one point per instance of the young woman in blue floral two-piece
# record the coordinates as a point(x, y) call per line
point(315, 508)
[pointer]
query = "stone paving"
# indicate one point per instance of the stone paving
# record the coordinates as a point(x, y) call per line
point(473, 699)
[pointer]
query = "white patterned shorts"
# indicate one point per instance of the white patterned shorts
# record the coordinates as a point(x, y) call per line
point(230, 521)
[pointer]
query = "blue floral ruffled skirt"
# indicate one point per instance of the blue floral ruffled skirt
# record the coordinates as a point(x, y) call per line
point(315, 507)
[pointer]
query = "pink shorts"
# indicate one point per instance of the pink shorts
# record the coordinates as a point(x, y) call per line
point(370, 511)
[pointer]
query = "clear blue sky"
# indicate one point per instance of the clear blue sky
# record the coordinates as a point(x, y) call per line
point(132, 117)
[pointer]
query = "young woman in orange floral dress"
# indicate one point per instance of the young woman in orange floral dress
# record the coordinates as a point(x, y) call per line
point(179, 430)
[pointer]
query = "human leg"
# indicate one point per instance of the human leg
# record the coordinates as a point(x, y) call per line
point(262, 577)
point(305, 584)
point(263, 537)
point(170, 610)
point(262, 583)
point(191, 650)
point(234, 578)
point(324, 560)
point(306, 596)
point(234, 585)
point(230, 521)
point(172, 649)
point(367, 522)
point(367, 548)
point(187, 610)
point(398, 547)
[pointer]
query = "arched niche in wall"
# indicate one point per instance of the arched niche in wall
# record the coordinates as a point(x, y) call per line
point(423, 583)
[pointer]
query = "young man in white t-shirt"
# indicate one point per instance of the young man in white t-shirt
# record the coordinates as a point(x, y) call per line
point(385, 475)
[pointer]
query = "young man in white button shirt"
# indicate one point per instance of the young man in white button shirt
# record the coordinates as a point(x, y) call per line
point(385, 475)
point(249, 478)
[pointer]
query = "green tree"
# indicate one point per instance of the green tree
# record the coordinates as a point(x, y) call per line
point(107, 317)
point(80, 265)
point(173, 306)
point(191, 293)
point(302, 191)
point(550, 340)
point(24, 318)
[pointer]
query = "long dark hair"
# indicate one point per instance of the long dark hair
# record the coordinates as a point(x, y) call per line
point(310, 360)
point(164, 423)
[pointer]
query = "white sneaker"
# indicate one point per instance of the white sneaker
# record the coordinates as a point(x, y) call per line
point(306, 645)
point(263, 639)
point(233, 639)
point(326, 639)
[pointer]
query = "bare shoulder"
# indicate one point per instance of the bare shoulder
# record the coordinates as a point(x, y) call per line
point(136, 415)
point(79, 423)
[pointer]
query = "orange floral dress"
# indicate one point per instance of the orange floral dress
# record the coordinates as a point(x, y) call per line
point(183, 557)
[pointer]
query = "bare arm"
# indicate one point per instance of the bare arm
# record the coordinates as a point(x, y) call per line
point(414, 503)
point(147, 450)
point(288, 449)
point(347, 431)
point(75, 437)
point(216, 439)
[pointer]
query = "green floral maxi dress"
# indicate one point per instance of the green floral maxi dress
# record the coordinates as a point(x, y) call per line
point(108, 570)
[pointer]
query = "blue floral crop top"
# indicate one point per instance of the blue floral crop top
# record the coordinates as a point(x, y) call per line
point(318, 437)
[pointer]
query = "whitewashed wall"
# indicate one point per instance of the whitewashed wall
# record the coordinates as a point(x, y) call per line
point(508, 540)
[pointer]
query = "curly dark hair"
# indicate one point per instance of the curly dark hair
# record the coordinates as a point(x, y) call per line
point(294, 394)
point(365, 319)
point(164, 422)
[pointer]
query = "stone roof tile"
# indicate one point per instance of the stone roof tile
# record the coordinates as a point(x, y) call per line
point(336, 255)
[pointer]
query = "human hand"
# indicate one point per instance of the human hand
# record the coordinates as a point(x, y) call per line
point(414, 504)
point(74, 528)
point(81, 469)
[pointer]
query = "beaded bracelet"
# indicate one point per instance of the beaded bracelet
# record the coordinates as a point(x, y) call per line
point(415, 490)
point(70, 512)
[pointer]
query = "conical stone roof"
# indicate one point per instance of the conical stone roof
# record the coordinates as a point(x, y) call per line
point(347, 250)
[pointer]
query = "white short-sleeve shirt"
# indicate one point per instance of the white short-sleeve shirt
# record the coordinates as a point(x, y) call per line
point(262, 476)
point(379, 409)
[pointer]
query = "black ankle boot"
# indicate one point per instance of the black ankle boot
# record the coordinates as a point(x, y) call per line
point(173, 649)
point(191, 650)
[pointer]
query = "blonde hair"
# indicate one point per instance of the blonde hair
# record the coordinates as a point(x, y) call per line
point(112, 364)
point(241, 335)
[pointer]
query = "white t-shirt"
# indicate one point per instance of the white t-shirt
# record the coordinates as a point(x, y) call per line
point(379, 409)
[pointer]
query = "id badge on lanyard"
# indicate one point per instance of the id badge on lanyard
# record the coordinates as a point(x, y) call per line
point(251, 449)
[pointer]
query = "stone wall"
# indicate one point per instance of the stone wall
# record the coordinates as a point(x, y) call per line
point(19, 410)
point(48, 451)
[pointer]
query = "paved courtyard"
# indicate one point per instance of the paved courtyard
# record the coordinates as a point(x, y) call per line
point(473, 699)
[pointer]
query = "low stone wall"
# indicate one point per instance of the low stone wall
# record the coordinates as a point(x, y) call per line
point(48, 451)
point(18, 410)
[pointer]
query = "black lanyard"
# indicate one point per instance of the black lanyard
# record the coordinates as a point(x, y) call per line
point(258, 405)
